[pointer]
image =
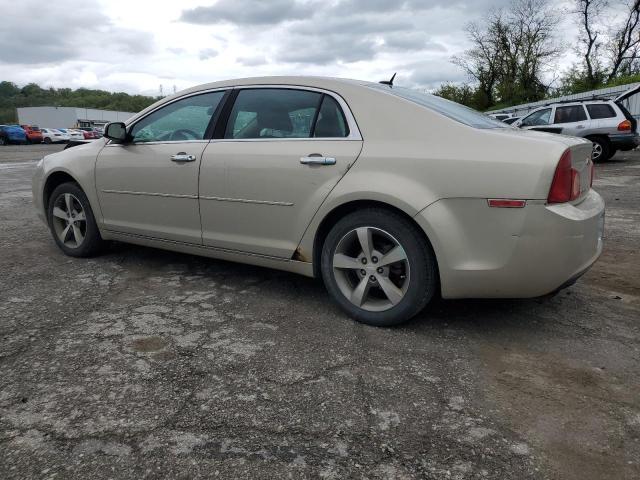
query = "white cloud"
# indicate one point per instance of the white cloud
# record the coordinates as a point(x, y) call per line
point(136, 46)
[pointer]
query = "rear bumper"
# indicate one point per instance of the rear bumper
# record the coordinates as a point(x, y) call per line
point(625, 141)
point(487, 252)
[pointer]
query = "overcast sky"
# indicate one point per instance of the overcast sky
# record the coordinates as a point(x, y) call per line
point(136, 45)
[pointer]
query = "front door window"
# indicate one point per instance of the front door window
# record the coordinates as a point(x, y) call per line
point(186, 119)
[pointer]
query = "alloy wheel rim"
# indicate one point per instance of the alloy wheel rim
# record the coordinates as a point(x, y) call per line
point(371, 269)
point(597, 151)
point(69, 220)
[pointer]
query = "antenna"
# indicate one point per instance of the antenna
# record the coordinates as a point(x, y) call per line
point(389, 82)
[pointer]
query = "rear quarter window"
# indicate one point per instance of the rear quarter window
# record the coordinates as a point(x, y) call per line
point(600, 110)
point(453, 110)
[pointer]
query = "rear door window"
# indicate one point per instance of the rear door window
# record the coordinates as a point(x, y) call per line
point(570, 114)
point(600, 110)
point(264, 113)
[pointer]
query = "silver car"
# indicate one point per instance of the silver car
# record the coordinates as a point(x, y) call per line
point(389, 195)
point(607, 123)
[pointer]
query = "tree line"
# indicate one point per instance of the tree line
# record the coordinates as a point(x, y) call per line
point(514, 53)
point(32, 95)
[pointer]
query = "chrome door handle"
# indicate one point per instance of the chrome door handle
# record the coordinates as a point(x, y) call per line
point(313, 160)
point(183, 157)
point(580, 126)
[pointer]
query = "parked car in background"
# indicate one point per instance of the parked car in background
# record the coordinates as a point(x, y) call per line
point(607, 123)
point(388, 194)
point(73, 133)
point(511, 120)
point(34, 135)
point(12, 134)
point(89, 133)
point(52, 135)
point(500, 116)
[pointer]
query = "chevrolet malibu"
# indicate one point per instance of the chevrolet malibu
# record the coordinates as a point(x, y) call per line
point(389, 195)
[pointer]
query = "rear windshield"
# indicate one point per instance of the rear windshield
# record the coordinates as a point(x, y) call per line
point(450, 109)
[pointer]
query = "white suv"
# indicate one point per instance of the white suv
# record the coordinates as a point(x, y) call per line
point(607, 123)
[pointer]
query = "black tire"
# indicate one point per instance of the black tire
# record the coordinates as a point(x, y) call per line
point(605, 147)
point(47, 140)
point(421, 260)
point(92, 242)
point(3, 141)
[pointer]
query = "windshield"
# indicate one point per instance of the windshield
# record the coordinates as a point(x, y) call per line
point(453, 110)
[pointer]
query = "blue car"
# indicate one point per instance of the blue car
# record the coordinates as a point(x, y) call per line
point(12, 134)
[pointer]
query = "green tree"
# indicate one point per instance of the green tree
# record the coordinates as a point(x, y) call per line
point(32, 95)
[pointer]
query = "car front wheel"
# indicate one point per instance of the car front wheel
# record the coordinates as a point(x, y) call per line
point(72, 223)
point(378, 267)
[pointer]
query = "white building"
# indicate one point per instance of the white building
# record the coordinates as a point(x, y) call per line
point(68, 117)
point(632, 103)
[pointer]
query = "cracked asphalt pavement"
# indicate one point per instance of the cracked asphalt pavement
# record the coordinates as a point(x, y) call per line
point(142, 363)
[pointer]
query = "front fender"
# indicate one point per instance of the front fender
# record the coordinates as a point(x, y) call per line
point(79, 164)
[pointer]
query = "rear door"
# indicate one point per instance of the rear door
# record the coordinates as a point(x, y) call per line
point(572, 119)
point(270, 168)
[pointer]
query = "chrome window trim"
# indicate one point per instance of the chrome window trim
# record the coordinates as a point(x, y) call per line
point(354, 131)
point(157, 142)
point(173, 100)
point(297, 139)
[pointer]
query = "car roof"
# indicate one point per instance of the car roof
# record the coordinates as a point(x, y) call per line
point(294, 80)
point(327, 83)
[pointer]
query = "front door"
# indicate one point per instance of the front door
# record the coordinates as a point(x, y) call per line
point(283, 151)
point(149, 185)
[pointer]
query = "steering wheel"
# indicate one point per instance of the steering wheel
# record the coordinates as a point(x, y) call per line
point(183, 134)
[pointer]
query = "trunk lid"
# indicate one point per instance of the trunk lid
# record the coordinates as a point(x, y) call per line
point(632, 91)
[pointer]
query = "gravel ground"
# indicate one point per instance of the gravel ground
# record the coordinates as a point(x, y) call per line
point(143, 363)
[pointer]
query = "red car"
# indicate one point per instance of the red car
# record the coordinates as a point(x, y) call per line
point(88, 132)
point(34, 135)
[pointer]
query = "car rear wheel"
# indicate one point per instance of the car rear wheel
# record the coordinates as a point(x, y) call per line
point(378, 267)
point(72, 223)
point(601, 150)
point(47, 140)
point(3, 141)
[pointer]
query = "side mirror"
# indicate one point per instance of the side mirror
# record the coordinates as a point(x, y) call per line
point(116, 131)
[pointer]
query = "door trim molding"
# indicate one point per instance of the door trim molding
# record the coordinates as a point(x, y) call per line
point(150, 194)
point(245, 200)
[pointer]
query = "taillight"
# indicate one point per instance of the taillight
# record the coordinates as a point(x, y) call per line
point(566, 181)
point(624, 126)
